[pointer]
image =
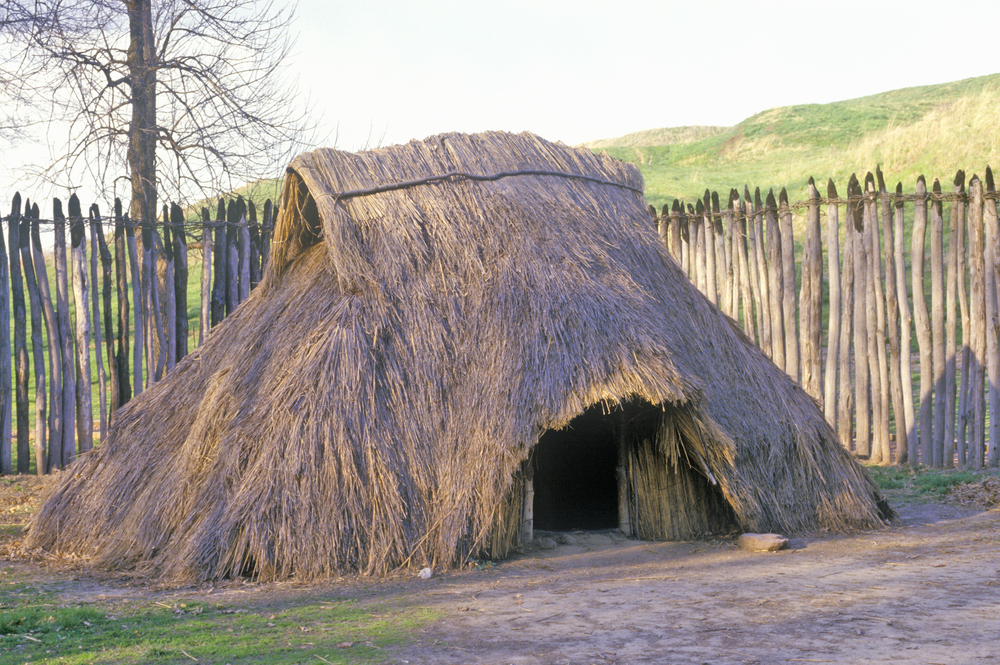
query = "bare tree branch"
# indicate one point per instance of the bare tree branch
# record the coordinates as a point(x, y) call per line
point(185, 97)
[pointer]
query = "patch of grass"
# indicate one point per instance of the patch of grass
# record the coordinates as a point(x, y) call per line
point(34, 627)
point(920, 484)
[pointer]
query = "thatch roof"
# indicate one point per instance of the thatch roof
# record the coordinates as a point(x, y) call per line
point(372, 402)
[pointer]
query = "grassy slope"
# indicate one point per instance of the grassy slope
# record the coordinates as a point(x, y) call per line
point(932, 130)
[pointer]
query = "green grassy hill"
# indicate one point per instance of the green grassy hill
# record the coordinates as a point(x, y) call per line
point(932, 130)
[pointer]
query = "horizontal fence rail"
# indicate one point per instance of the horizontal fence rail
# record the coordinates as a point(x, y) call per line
point(926, 261)
point(117, 322)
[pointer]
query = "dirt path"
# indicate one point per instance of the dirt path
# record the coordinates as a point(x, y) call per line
point(924, 591)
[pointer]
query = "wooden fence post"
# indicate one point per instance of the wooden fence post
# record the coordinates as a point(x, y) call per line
point(180, 281)
point(977, 310)
point(937, 324)
point(138, 341)
point(962, 422)
point(684, 228)
point(905, 326)
point(775, 275)
point(243, 251)
point(270, 215)
point(37, 347)
point(789, 305)
point(951, 332)
point(94, 214)
point(84, 397)
point(207, 250)
point(67, 453)
point(101, 248)
point(892, 317)
point(220, 288)
point(168, 293)
point(878, 369)
point(763, 273)
point(233, 260)
point(6, 403)
point(833, 324)
point(254, 230)
point(862, 381)
point(21, 368)
point(811, 299)
point(55, 426)
point(698, 231)
point(923, 324)
point(992, 273)
point(675, 233)
point(123, 350)
point(719, 250)
point(711, 270)
point(732, 257)
point(746, 287)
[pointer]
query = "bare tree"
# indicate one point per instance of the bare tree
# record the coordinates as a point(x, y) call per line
point(186, 97)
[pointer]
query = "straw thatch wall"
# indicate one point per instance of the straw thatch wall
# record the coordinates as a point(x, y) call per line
point(371, 405)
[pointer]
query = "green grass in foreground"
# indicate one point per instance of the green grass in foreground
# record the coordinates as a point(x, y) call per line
point(35, 627)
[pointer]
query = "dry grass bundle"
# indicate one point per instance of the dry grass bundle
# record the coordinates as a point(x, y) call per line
point(371, 404)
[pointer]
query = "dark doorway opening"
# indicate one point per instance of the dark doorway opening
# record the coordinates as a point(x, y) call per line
point(574, 474)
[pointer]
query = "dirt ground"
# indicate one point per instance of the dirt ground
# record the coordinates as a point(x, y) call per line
point(925, 590)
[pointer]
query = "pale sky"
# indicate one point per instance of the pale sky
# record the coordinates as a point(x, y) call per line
point(386, 71)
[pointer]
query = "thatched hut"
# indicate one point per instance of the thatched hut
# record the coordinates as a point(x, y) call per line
point(433, 363)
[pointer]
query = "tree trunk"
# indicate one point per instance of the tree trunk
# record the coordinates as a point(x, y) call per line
point(142, 132)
